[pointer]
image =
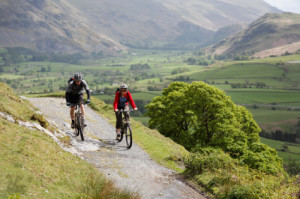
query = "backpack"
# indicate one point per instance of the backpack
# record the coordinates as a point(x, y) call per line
point(71, 79)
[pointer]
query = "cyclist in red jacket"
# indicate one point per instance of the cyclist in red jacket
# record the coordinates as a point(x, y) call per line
point(121, 102)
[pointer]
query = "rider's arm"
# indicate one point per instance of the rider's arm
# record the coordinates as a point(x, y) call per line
point(88, 94)
point(131, 100)
point(117, 97)
point(67, 97)
point(86, 89)
point(68, 92)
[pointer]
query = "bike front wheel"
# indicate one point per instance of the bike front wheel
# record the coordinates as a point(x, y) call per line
point(81, 133)
point(81, 129)
point(128, 134)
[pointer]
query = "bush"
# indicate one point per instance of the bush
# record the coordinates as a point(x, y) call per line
point(208, 158)
point(263, 158)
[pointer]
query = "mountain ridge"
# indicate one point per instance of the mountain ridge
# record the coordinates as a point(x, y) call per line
point(271, 31)
point(73, 26)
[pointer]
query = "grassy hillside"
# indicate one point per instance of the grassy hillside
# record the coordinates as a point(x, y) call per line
point(216, 14)
point(34, 166)
point(268, 32)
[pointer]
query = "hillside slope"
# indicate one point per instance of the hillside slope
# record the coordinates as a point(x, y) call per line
point(49, 26)
point(140, 23)
point(71, 26)
point(271, 31)
point(216, 14)
point(32, 163)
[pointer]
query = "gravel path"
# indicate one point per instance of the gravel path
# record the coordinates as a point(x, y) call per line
point(129, 169)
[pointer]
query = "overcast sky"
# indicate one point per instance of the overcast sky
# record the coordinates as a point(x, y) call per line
point(286, 5)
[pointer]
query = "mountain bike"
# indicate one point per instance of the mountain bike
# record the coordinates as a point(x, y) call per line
point(79, 123)
point(126, 128)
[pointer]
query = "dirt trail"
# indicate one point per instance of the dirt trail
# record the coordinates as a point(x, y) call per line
point(128, 169)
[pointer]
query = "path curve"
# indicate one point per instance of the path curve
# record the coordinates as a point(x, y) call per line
point(129, 169)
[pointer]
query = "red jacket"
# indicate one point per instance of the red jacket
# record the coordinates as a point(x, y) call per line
point(129, 99)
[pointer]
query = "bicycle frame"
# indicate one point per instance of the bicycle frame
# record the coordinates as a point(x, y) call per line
point(79, 126)
point(126, 128)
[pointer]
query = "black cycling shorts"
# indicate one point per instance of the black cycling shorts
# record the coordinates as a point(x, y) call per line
point(76, 99)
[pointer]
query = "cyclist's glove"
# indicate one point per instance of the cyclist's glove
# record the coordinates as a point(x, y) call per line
point(68, 104)
point(88, 101)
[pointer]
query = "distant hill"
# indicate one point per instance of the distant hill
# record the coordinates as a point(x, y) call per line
point(146, 23)
point(71, 26)
point(49, 26)
point(272, 34)
point(215, 14)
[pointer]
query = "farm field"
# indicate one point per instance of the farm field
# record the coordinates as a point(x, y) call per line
point(292, 153)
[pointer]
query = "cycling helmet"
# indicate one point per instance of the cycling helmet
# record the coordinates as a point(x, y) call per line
point(77, 77)
point(123, 86)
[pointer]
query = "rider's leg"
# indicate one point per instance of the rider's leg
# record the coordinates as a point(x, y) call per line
point(126, 109)
point(82, 110)
point(72, 112)
point(118, 123)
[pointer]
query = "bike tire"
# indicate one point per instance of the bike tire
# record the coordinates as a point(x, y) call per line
point(81, 134)
point(76, 131)
point(121, 137)
point(128, 134)
point(76, 126)
point(81, 129)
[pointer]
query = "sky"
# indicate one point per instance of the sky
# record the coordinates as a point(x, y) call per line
point(286, 5)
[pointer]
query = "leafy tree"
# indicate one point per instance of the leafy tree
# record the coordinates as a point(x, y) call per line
point(197, 115)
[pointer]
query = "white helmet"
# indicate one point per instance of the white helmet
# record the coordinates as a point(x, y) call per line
point(123, 86)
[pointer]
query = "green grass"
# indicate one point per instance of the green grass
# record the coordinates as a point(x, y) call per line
point(265, 116)
point(33, 165)
point(264, 96)
point(143, 120)
point(264, 70)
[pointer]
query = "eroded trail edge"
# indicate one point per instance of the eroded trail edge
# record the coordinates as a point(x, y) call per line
point(128, 169)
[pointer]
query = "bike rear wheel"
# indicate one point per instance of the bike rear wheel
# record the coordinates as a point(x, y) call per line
point(128, 134)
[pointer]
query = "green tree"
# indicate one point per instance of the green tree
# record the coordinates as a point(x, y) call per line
point(167, 113)
point(198, 115)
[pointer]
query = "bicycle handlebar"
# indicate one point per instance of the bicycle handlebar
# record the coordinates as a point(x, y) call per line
point(123, 111)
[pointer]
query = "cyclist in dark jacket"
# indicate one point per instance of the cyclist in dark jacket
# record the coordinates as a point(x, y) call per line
point(74, 95)
point(121, 102)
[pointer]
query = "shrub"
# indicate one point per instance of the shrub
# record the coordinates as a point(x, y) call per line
point(208, 158)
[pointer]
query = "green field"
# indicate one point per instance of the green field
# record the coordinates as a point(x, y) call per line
point(293, 152)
